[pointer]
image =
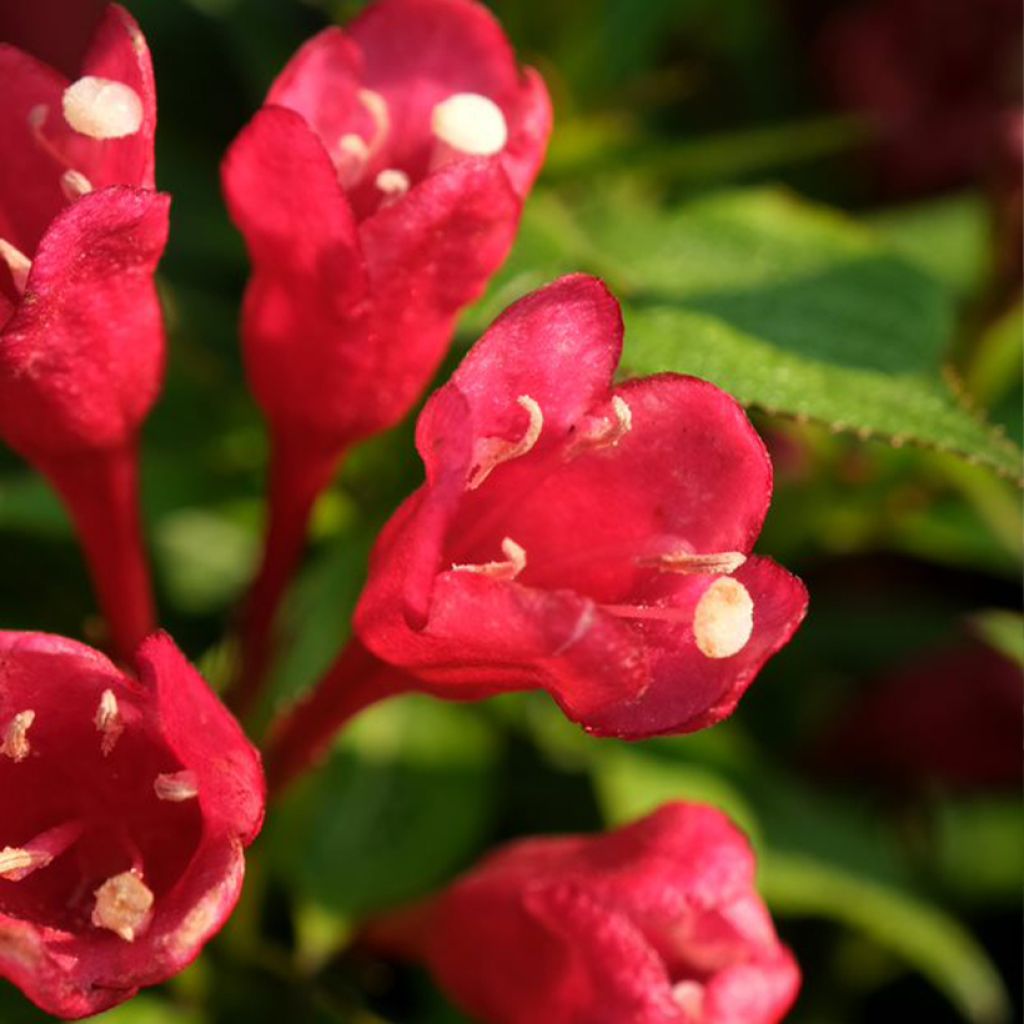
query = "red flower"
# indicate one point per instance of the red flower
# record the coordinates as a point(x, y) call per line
point(81, 334)
point(656, 923)
point(378, 189)
point(587, 540)
point(934, 80)
point(128, 805)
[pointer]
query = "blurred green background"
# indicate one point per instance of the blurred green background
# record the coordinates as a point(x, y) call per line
point(701, 165)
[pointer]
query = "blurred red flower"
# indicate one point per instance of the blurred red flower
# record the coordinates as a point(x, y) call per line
point(81, 331)
point(952, 716)
point(656, 923)
point(934, 79)
point(125, 807)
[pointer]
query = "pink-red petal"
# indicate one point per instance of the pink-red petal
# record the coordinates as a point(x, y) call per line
point(82, 358)
point(305, 315)
point(690, 691)
point(417, 53)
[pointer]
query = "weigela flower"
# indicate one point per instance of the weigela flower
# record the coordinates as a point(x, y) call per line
point(81, 333)
point(590, 540)
point(932, 81)
point(656, 923)
point(128, 804)
point(378, 189)
point(951, 716)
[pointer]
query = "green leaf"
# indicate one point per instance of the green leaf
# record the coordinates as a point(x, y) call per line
point(977, 847)
point(921, 934)
point(793, 308)
point(402, 803)
point(948, 237)
point(1003, 630)
point(143, 1009)
point(205, 558)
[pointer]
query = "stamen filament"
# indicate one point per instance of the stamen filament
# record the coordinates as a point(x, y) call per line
point(17, 263)
point(491, 452)
point(507, 570)
point(721, 563)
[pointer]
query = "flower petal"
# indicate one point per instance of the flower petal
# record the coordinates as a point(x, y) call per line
point(205, 737)
point(689, 472)
point(321, 82)
point(118, 52)
point(304, 320)
point(82, 358)
point(418, 53)
point(30, 195)
point(428, 256)
point(690, 691)
point(558, 345)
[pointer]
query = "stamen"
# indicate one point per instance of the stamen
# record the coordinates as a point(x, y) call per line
point(471, 124)
point(723, 619)
point(514, 564)
point(124, 905)
point(74, 185)
point(108, 721)
point(393, 183)
point(102, 109)
point(353, 156)
point(176, 787)
point(721, 563)
point(16, 862)
point(690, 996)
point(37, 116)
point(491, 452)
point(601, 431)
point(17, 263)
point(15, 744)
point(377, 107)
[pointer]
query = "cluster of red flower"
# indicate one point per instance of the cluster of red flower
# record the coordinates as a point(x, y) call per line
point(587, 539)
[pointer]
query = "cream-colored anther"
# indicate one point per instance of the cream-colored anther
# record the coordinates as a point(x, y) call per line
point(723, 619)
point(719, 563)
point(599, 432)
point(470, 123)
point(176, 787)
point(690, 996)
point(393, 183)
point(353, 156)
point(15, 744)
point(514, 564)
point(17, 263)
point(108, 721)
point(74, 185)
point(377, 107)
point(124, 905)
point(491, 452)
point(16, 863)
point(102, 109)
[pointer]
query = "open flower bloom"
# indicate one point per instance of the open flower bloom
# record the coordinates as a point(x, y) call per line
point(128, 804)
point(378, 189)
point(81, 332)
point(590, 540)
point(656, 923)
